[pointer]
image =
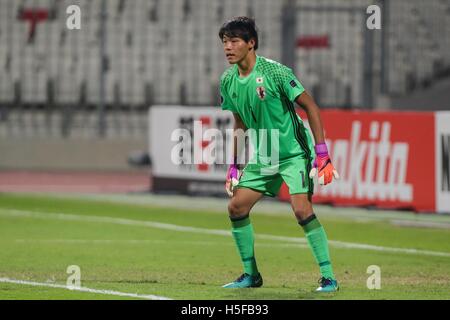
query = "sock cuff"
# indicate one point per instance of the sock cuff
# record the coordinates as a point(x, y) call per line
point(240, 222)
point(310, 223)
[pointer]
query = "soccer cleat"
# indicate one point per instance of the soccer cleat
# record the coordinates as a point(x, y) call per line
point(246, 281)
point(327, 285)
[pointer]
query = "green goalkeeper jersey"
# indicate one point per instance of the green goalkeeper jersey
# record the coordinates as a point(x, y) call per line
point(265, 100)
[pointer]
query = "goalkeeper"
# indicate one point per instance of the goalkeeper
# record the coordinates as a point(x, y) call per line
point(261, 94)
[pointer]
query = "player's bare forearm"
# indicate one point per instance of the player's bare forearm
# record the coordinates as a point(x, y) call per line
point(238, 125)
point(322, 166)
point(313, 112)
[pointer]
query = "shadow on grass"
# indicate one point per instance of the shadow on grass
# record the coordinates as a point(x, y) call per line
point(218, 293)
point(274, 294)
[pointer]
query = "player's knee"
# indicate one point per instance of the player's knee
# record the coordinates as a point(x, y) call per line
point(303, 213)
point(235, 210)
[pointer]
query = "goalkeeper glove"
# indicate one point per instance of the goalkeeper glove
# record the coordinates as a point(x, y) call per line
point(322, 165)
point(232, 178)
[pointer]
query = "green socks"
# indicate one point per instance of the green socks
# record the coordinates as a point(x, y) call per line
point(318, 242)
point(242, 230)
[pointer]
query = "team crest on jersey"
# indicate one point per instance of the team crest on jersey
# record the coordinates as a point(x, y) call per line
point(259, 80)
point(261, 91)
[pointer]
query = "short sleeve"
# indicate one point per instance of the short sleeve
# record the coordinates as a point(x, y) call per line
point(225, 101)
point(289, 84)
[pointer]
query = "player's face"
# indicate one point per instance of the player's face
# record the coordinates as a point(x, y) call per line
point(236, 49)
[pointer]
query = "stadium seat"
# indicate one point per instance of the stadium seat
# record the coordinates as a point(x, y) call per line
point(166, 45)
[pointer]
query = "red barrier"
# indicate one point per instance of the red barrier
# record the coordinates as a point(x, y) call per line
point(385, 159)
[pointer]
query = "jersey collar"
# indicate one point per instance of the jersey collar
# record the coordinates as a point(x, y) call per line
point(245, 79)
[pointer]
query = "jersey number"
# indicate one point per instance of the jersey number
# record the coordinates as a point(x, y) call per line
point(302, 173)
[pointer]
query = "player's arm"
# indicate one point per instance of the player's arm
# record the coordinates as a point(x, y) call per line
point(238, 125)
point(232, 178)
point(312, 111)
point(322, 164)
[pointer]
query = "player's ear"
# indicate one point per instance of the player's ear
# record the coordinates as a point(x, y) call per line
point(252, 44)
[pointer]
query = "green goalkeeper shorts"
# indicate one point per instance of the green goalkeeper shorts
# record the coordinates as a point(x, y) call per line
point(268, 179)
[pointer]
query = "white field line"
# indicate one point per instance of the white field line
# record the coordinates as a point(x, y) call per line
point(265, 207)
point(173, 227)
point(84, 289)
point(155, 241)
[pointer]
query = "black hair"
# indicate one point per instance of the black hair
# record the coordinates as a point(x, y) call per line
point(240, 27)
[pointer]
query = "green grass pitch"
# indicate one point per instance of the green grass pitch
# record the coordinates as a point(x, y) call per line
point(183, 251)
